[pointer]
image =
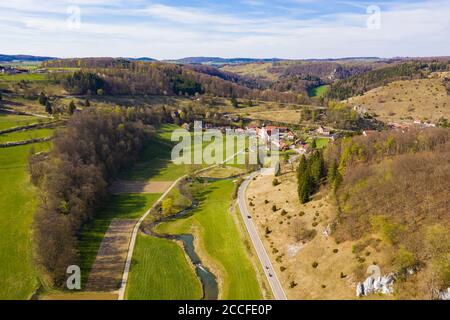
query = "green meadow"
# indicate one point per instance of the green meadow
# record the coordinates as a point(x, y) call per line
point(320, 91)
point(11, 120)
point(161, 271)
point(18, 198)
point(221, 246)
point(34, 77)
point(25, 135)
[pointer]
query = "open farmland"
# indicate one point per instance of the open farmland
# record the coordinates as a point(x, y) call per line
point(219, 242)
point(11, 120)
point(161, 270)
point(120, 208)
point(18, 277)
point(26, 135)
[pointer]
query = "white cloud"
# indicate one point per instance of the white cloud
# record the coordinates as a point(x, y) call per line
point(164, 31)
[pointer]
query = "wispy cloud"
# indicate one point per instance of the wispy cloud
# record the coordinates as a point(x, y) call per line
point(283, 28)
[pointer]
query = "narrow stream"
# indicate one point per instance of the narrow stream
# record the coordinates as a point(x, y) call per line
point(208, 279)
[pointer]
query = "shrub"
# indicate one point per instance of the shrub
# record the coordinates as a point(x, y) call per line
point(404, 259)
point(315, 264)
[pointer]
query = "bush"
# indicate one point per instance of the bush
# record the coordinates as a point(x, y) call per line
point(315, 264)
point(275, 182)
point(404, 259)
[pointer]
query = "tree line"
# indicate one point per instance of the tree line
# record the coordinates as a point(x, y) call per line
point(310, 175)
point(73, 178)
point(124, 77)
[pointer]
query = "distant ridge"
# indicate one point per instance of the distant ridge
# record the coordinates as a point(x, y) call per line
point(220, 61)
point(23, 58)
point(141, 59)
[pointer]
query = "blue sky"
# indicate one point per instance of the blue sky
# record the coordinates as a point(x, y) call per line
point(166, 29)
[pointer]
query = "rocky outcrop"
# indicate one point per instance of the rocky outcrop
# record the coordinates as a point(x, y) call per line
point(381, 285)
point(444, 295)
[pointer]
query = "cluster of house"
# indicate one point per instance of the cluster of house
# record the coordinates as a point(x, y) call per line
point(416, 124)
point(11, 70)
point(282, 137)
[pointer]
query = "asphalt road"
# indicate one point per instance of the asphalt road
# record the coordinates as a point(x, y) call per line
point(270, 273)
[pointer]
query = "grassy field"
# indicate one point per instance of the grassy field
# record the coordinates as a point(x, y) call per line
point(129, 206)
point(320, 142)
point(160, 270)
point(257, 70)
point(25, 135)
point(423, 99)
point(18, 278)
point(10, 121)
point(284, 116)
point(220, 244)
point(23, 77)
point(318, 92)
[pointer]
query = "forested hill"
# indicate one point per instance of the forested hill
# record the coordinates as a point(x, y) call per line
point(124, 77)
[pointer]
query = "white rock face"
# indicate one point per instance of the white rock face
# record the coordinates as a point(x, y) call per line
point(445, 295)
point(371, 285)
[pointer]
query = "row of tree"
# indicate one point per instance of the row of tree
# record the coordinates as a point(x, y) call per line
point(310, 174)
point(93, 148)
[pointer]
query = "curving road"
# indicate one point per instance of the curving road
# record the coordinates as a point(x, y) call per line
point(269, 271)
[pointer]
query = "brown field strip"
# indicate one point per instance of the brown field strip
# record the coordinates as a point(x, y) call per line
point(120, 187)
point(107, 269)
point(82, 296)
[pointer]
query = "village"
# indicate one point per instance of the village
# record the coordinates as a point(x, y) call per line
point(284, 139)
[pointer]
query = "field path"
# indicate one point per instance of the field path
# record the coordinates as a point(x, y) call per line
point(266, 264)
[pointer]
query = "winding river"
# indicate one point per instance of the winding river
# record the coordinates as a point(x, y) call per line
point(207, 278)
